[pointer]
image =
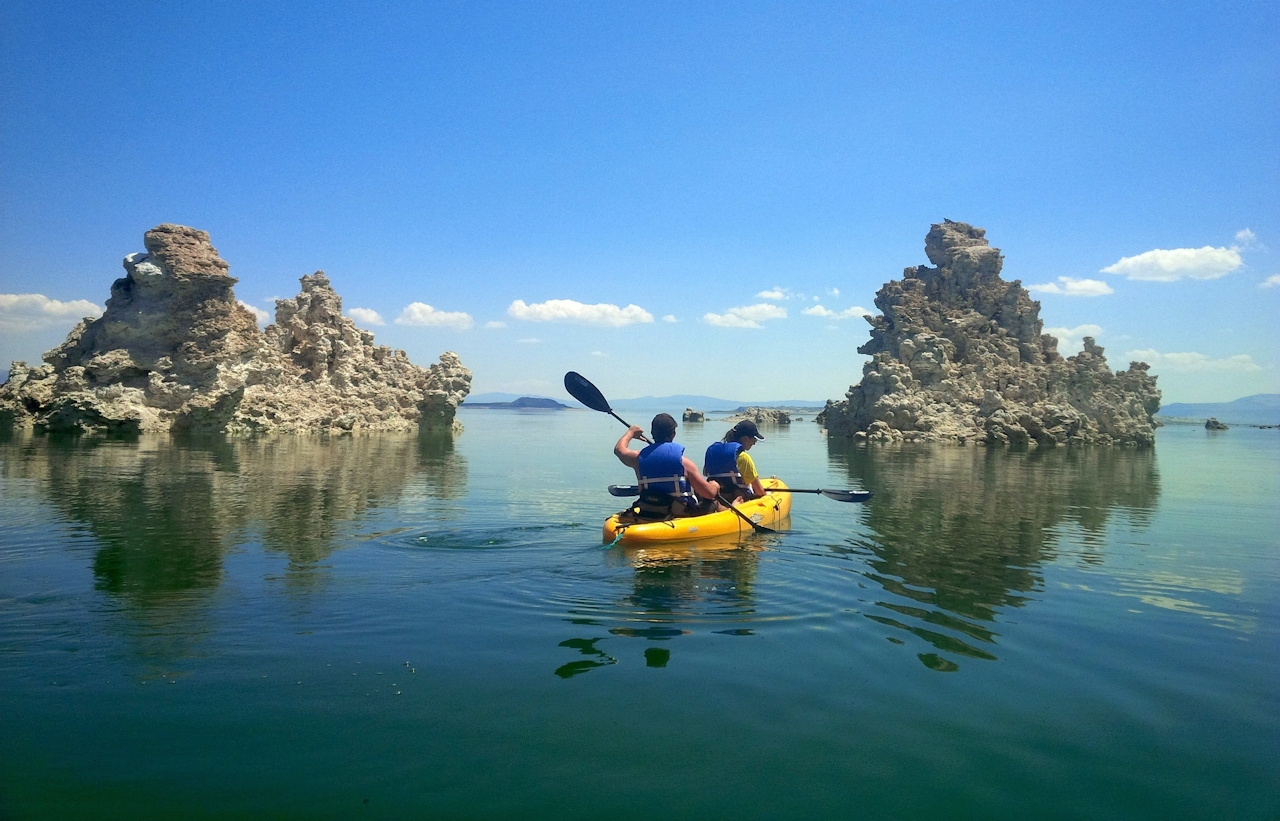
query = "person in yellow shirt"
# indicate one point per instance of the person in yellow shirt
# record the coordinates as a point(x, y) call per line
point(728, 463)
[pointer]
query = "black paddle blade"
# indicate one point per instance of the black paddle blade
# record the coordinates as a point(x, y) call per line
point(847, 495)
point(624, 490)
point(586, 393)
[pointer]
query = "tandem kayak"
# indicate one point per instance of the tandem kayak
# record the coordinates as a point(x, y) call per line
point(769, 510)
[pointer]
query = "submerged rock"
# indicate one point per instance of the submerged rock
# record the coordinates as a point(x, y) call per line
point(691, 415)
point(959, 354)
point(174, 351)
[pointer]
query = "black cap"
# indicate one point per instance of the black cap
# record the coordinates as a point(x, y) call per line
point(663, 427)
point(746, 428)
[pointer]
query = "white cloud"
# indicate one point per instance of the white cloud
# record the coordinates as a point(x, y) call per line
point(495, 324)
point(420, 313)
point(568, 310)
point(530, 340)
point(776, 293)
point(1071, 340)
point(1070, 286)
point(601, 354)
point(1245, 239)
point(833, 292)
point(747, 316)
point(1192, 361)
point(1173, 264)
point(847, 313)
point(1270, 282)
point(366, 315)
point(262, 316)
point(31, 312)
point(670, 318)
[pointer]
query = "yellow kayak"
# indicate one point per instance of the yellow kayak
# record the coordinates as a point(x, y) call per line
point(769, 510)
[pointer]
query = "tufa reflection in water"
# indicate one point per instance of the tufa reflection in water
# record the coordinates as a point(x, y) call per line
point(956, 534)
point(165, 510)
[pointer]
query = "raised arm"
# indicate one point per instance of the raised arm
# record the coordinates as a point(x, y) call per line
point(627, 456)
point(702, 487)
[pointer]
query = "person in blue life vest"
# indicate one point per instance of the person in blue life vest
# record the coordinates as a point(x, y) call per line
point(670, 484)
point(728, 463)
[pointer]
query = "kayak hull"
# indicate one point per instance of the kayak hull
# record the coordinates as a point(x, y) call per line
point(769, 510)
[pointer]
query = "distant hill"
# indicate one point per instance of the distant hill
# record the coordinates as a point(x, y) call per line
point(1259, 409)
point(521, 403)
point(707, 403)
point(671, 404)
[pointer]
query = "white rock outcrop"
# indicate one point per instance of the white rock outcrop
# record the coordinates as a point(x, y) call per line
point(761, 416)
point(960, 354)
point(174, 351)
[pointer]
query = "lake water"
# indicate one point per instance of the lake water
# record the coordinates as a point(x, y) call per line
point(392, 627)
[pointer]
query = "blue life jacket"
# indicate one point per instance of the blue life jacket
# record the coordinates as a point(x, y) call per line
point(722, 463)
point(661, 469)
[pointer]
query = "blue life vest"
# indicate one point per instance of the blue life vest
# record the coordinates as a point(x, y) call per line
point(722, 463)
point(661, 469)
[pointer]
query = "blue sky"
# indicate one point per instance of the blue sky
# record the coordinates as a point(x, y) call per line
point(682, 158)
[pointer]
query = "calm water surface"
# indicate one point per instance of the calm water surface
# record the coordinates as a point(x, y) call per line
point(395, 627)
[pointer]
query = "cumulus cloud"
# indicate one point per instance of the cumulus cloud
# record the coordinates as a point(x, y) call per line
point(1173, 264)
point(847, 313)
point(776, 293)
point(495, 324)
point(601, 354)
point(32, 312)
point(670, 318)
point(1245, 239)
point(422, 314)
point(834, 292)
point(1270, 282)
point(366, 315)
point(529, 340)
point(568, 310)
point(1071, 340)
point(1192, 361)
point(1070, 286)
point(746, 316)
point(262, 316)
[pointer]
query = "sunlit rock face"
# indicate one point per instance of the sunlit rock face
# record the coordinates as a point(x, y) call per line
point(960, 354)
point(174, 351)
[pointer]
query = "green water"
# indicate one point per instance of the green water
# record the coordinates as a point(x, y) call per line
point(394, 627)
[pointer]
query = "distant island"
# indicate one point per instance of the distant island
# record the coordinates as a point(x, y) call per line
point(523, 403)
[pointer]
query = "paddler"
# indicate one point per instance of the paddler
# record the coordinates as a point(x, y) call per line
point(670, 484)
point(728, 463)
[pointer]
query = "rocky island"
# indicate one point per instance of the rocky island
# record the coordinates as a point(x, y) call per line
point(959, 354)
point(174, 351)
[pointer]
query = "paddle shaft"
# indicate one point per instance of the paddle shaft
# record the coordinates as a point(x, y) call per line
point(639, 436)
point(837, 495)
point(758, 528)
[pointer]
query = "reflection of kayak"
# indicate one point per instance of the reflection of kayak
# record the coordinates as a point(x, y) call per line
point(769, 510)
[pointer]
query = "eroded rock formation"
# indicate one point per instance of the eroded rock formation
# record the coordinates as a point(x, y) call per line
point(761, 416)
point(174, 351)
point(960, 354)
point(691, 415)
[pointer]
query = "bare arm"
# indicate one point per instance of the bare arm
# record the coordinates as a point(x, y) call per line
point(702, 487)
point(627, 456)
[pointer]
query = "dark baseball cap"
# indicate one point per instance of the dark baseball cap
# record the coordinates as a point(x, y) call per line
point(746, 428)
point(663, 427)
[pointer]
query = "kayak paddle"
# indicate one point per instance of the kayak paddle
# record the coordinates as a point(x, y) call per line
point(580, 388)
point(838, 495)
